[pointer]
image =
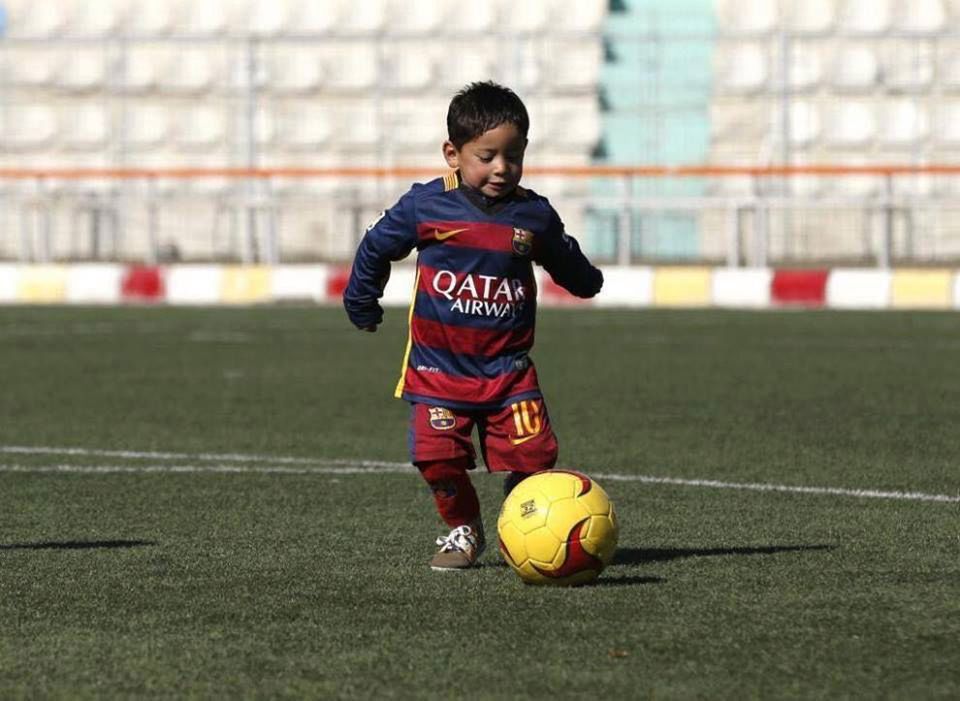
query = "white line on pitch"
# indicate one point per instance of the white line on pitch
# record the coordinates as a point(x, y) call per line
point(348, 467)
point(202, 457)
point(793, 489)
point(355, 469)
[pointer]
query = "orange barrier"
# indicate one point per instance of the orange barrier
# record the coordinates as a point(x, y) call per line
point(645, 171)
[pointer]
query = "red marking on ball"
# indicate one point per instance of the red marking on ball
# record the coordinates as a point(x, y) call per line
point(506, 553)
point(585, 482)
point(577, 558)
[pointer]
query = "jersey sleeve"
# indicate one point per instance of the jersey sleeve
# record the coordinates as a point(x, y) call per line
point(560, 255)
point(389, 239)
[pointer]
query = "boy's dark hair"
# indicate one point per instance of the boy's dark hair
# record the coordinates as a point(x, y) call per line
point(480, 107)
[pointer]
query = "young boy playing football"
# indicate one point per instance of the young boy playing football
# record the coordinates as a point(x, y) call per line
point(467, 363)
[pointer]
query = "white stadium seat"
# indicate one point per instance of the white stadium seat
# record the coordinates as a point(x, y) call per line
point(204, 19)
point(574, 64)
point(525, 17)
point(471, 17)
point(98, 20)
point(528, 68)
point(351, 66)
point(310, 17)
point(200, 129)
point(580, 15)
point(810, 17)
point(850, 124)
point(294, 69)
point(192, 71)
point(949, 70)
point(866, 16)
point(476, 61)
point(922, 17)
point(145, 127)
point(29, 128)
point(743, 69)
point(571, 124)
point(737, 121)
point(414, 124)
point(85, 127)
point(264, 18)
point(903, 123)
point(358, 126)
point(149, 19)
point(265, 126)
point(304, 127)
point(806, 66)
point(909, 66)
point(805, 124)
point(366, 17)
point(948, 124)
point(85, 71)
point(142, 68)
point(36, 20)
point(855, 69)
point(412, 66)
point(754, 17)
point(418, 18)
point(30, 67)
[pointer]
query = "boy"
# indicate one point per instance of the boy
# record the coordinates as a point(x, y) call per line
point(478, 234)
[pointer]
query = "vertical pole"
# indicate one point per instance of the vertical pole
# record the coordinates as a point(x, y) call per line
point(886, 240)
point(786, 154)
point(733, 236)
point(625, 228)
point(249, 253)
point(153, 233)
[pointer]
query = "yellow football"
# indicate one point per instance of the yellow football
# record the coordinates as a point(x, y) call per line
point(558, 528)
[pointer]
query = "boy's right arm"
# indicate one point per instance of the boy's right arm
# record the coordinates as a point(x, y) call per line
point(388, 239)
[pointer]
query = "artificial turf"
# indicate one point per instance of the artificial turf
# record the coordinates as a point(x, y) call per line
point(132, 569)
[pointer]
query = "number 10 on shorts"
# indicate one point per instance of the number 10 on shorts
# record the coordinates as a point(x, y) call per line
point(526, 419)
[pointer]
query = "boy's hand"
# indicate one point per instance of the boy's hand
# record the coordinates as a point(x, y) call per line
point(365, 317)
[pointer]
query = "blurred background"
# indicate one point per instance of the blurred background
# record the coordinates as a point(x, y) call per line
point(664, 131)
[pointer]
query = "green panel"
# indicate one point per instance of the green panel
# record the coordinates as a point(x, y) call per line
point(656, 85)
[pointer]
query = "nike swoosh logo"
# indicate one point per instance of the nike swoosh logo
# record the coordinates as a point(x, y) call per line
point(443, 235)
point(518, 441)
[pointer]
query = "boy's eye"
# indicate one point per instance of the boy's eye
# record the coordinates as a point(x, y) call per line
point(486, 159)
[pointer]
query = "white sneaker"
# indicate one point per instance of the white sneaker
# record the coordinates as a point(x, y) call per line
point(460, 549)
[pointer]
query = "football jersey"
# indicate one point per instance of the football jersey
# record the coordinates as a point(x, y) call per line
point(472, 318)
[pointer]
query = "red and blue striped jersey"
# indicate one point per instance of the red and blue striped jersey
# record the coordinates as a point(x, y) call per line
point(475, 299)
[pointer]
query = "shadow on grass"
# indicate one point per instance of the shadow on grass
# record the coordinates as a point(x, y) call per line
point(640, 556)
point(79, 545)
point(609, 580)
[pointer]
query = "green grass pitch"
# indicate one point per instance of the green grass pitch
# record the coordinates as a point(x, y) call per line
point(134, 568)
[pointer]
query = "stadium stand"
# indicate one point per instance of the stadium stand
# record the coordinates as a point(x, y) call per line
point(335, 83)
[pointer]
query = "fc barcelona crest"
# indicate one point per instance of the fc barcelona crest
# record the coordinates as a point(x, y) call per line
point(442, 419)
point(522, 241)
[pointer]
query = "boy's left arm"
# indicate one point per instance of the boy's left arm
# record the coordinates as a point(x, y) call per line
point(560, 255)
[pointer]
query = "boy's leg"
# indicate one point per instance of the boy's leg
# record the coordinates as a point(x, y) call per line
point(442, 450)
point(453, 492)
point(519, 440)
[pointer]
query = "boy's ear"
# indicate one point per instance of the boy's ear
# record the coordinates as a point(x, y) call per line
point(451, 155)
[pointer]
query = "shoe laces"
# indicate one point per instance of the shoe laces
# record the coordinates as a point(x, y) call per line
point(461, 538)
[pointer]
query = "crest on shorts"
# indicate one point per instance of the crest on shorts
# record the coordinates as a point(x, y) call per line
point(522, 241)
point(442, 419)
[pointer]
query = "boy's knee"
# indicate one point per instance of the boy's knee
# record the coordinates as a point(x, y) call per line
point(444, 470)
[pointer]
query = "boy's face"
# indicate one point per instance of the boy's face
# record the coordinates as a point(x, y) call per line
point(493, 162)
